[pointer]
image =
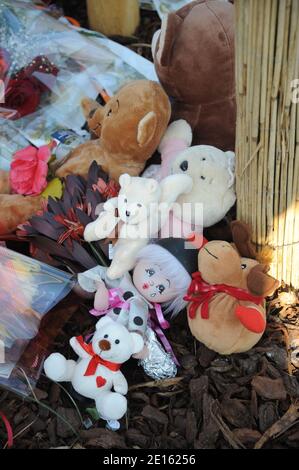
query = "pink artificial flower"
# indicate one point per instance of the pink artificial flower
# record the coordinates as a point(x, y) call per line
point(29, 170)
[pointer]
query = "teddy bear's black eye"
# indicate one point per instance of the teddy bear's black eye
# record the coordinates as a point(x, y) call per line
point(105, 336)
point(202, 177)
point(243, 266)
point(109, 112)
point(203, 159)
point(125, 200)
point(139, 205)
point(184, 165)
point(117, 341)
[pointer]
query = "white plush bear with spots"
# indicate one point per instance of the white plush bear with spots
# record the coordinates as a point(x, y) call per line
point(143, 206)
point(97, 370)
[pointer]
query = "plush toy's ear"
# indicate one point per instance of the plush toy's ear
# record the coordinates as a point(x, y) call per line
point(103, 321)
point(260, 283)
point(124, 180)
point(89, 107)
point(231, 166)
point(241, 234)
point(138, 342)
point(151, 185)
point(162, 45)
point(146, 128)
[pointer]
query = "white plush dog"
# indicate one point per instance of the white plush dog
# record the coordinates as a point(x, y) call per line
point(143, 206)
point(97, 370)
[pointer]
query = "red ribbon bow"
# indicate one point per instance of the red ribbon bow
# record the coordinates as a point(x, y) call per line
point(95, 359)
point(200, 293)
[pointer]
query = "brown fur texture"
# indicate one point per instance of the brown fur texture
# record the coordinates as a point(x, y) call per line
point(241, 234)
point(220, 263)
point(129, 128)
point(194, 60)
point(258, 281)
point(16, 209)
point(4, 182)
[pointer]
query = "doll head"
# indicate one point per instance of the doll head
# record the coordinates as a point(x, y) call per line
point(162, 273)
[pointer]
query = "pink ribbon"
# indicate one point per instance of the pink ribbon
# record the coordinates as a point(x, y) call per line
point(114, 301)
point(159, 323)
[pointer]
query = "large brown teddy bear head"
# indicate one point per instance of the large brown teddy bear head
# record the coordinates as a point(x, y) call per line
point(226, 310)
point(129, 128)
point(194, 59)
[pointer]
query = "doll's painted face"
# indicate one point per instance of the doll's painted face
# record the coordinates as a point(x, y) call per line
point(152, 283)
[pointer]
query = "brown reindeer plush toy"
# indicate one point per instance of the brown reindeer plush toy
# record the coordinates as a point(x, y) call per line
point(129, 129)
point(226, 297)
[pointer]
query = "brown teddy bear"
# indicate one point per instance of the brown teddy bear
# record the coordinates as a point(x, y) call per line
point(194, 59)
point(226, 297)
point(129, 128)
point(16, 209)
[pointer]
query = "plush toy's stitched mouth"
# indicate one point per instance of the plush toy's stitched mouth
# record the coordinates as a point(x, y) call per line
point(211, 253)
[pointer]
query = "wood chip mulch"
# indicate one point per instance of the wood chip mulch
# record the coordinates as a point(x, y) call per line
point(240, 401)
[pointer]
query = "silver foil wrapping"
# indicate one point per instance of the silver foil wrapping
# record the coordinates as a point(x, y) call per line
point(158, 364)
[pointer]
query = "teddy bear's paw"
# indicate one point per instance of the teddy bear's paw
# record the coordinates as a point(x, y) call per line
point(115, 271)
point(73, 342)
point(108, 206)
point(122, 389)
point(106, 223)
point(251, 319)
point(101, 228)
point(55, 367)
point(89, 232)
point(177, 130)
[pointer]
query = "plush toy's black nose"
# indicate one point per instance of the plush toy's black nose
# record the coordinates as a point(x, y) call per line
point(128, 213)
point(184, 165)
point(104, 345)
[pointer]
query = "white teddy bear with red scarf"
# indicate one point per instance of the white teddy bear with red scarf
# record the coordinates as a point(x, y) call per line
point(97, 370)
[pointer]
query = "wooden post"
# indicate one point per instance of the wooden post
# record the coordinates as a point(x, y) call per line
point(267, 146)
point(114, 17)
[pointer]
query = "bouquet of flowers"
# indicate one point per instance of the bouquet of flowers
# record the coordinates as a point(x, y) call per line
point(57, 231)
point(22, 91)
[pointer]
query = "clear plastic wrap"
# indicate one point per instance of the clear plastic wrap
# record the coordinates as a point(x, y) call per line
point(48, 66)
point(28, 290)
point(164, 7)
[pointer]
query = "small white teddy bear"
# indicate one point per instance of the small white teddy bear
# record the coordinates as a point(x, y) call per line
point(143, 206)
point(97, 370)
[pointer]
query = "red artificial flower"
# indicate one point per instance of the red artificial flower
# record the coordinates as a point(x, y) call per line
point(74, 229)
point(41, 72)
point(108, 190)
point(29, 170)
point(23, 90)
point(22, 96)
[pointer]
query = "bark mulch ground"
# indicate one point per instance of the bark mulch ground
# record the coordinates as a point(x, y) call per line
point(240, 401)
